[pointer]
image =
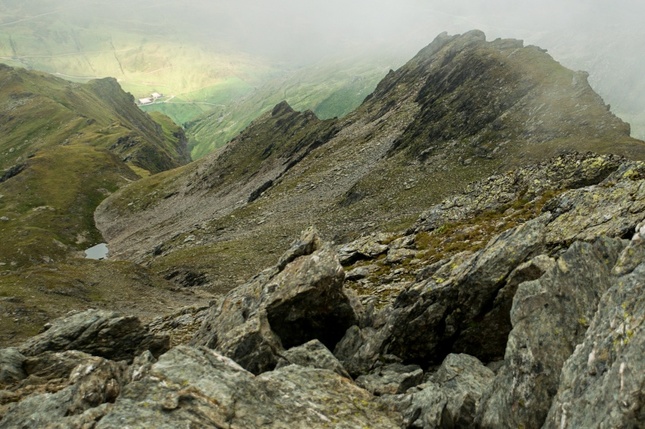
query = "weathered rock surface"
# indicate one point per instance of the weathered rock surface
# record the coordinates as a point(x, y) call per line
point(312, 354)
point(11, 370)
point(101, 333)
point(180, 326)
point(602, 384)
point(549, 317)
point(202, 388)
point(299, 300)
point(391, 379)
point(449, 399)
point(80, 396)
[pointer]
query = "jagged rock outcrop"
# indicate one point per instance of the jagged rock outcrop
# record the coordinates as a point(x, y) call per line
point(430, 317)
point(449, 399)
point(602, 384)
point(200, 386)
point(298, 300)
point(98, 332)
point(549, 316)
point(571, 170)
point(560, 322)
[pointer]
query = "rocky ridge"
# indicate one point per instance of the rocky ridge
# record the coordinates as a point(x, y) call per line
point(538, 323)
point(461, 110)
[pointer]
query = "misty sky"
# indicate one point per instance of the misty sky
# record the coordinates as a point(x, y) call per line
point(603, 37)
point(293, 28)
point(309, 29)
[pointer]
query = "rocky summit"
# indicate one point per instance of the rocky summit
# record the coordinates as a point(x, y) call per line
point(467, 249)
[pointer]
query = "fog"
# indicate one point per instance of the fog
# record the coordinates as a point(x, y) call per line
point(604, 38)
point(297, 30)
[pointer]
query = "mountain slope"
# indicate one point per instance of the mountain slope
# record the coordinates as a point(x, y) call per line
point(462, 109)
point(65, 147)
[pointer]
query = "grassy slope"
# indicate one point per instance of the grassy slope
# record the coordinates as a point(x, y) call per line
point(64, 147)
point(71, 146)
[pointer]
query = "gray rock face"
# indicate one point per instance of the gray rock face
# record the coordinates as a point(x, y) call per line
point(428, 317)
point(312, 354)
point(359, 349)
point(549, 317)
point(463, 379)
point(200, 387)
point(602, 384)
point(299, 300)
point(180, 326)
point(97, 332)
point(391, 379)
point(89, 389)
point(449, 399)
point(11, 361)
point(487, 337)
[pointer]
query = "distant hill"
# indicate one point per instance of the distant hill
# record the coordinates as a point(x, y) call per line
point(144, 49)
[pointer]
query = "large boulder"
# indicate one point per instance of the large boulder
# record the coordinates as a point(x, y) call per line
point(550, 317)
point(312, 354)
point(300, 299)
point(97, 332)
point(201, 388)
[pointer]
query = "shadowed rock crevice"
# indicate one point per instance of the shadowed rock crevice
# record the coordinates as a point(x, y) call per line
point(12, 172)
point(298, 300)
point(325, 318)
